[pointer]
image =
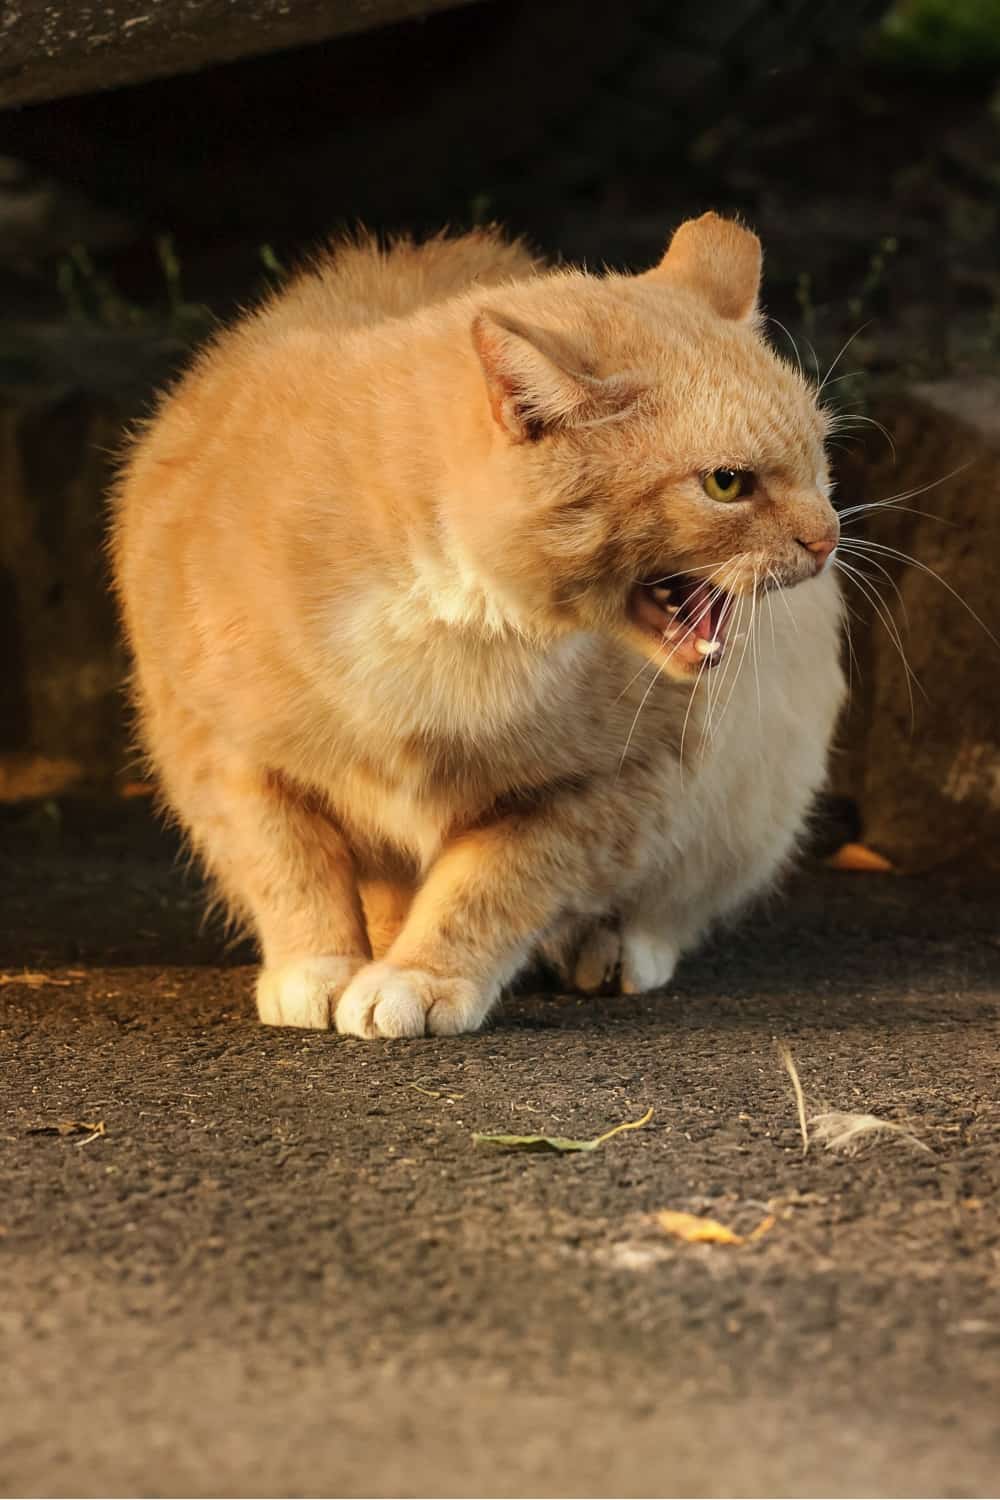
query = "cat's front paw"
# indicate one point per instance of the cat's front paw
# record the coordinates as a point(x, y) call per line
point(385, 1000)
point(304, 993)
point(648, 961)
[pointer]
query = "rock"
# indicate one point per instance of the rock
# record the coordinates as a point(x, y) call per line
point(925, 773)
point(54, 47)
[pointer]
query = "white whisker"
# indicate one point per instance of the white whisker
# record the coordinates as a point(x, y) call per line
point(843, 350)
point(634, 678)
point(770, 606)
point(862, 545)
point(894, 505)
point(642, 705)
point(865, 584)
point(756, 663)
point(920, 489)
point(691, 698)
point(798, 358)
point(739, 665)
point(843, 424)
point(690, 572)
point(850, 375)
point(845, 545)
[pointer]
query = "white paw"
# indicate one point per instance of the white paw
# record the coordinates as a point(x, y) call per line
point(598, 959)
point(384, 1000)
point(304, 993)
point(648, 961)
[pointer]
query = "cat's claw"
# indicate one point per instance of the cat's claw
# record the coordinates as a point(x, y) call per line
point(648, 962)
point(304, 993)
point(384, 1000)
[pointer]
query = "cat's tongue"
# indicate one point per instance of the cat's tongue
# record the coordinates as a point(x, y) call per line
point(688, 614)
point(698, 613)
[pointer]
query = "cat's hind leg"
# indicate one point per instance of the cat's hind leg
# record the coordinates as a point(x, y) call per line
point(386, 904)
point(583, 953)
point(649, 956)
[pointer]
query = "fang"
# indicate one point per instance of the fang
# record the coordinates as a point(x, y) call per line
point(707, 648)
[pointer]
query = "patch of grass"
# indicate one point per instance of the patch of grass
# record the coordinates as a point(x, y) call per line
point(271, 262)
point(91, 297)
point(942, 36)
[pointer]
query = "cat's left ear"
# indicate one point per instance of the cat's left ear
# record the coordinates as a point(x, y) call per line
point(534, 381)
point(717, 259)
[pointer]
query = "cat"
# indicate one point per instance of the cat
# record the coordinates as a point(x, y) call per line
point(449, 583)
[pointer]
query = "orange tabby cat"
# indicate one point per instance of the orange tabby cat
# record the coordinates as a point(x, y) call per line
point(449, 581)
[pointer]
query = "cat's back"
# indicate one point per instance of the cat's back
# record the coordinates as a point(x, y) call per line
point(360, 283)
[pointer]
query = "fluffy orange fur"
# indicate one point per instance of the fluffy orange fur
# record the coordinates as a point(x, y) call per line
point(421, 579)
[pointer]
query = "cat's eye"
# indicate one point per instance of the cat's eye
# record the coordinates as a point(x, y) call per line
point(729, 484)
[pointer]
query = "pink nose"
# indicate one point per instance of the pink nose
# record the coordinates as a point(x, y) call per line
point(820, 550)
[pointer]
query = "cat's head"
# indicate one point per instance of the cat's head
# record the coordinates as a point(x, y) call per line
point(650, 461)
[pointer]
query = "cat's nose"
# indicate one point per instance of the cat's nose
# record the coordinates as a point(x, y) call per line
point(820, 549)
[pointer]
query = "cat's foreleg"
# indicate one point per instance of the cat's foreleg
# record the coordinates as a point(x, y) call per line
point(277, 858)
point(482, 908)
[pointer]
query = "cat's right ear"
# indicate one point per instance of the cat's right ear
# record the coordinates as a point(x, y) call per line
point(719, 260)
point(531, 382)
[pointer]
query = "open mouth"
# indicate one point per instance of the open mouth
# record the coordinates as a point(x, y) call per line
point(688, 617)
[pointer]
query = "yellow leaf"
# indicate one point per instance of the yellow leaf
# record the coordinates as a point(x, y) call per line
point(859, 857)
point(698, 1231)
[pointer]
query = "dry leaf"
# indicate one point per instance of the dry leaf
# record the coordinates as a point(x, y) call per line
point(840, 1130)
point(89, 1128)
point(557, 1142)
point(698, 1231)
point(436, 1093)
point(800, 1099)
point(859, 857)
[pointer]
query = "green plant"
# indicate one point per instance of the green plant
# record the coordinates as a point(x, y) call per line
point(942, 35)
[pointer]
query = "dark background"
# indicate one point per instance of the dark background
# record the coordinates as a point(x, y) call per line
point(859, 141)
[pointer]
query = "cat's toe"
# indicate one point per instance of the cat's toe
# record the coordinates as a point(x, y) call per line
point(384, 1000)
point(597, 961)
point(304, 993)
point(648, 962)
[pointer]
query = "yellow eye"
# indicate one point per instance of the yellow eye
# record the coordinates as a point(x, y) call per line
point(728, 484)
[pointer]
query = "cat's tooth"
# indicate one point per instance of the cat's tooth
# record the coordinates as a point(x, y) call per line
point(660, 594)
point(707, 648)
